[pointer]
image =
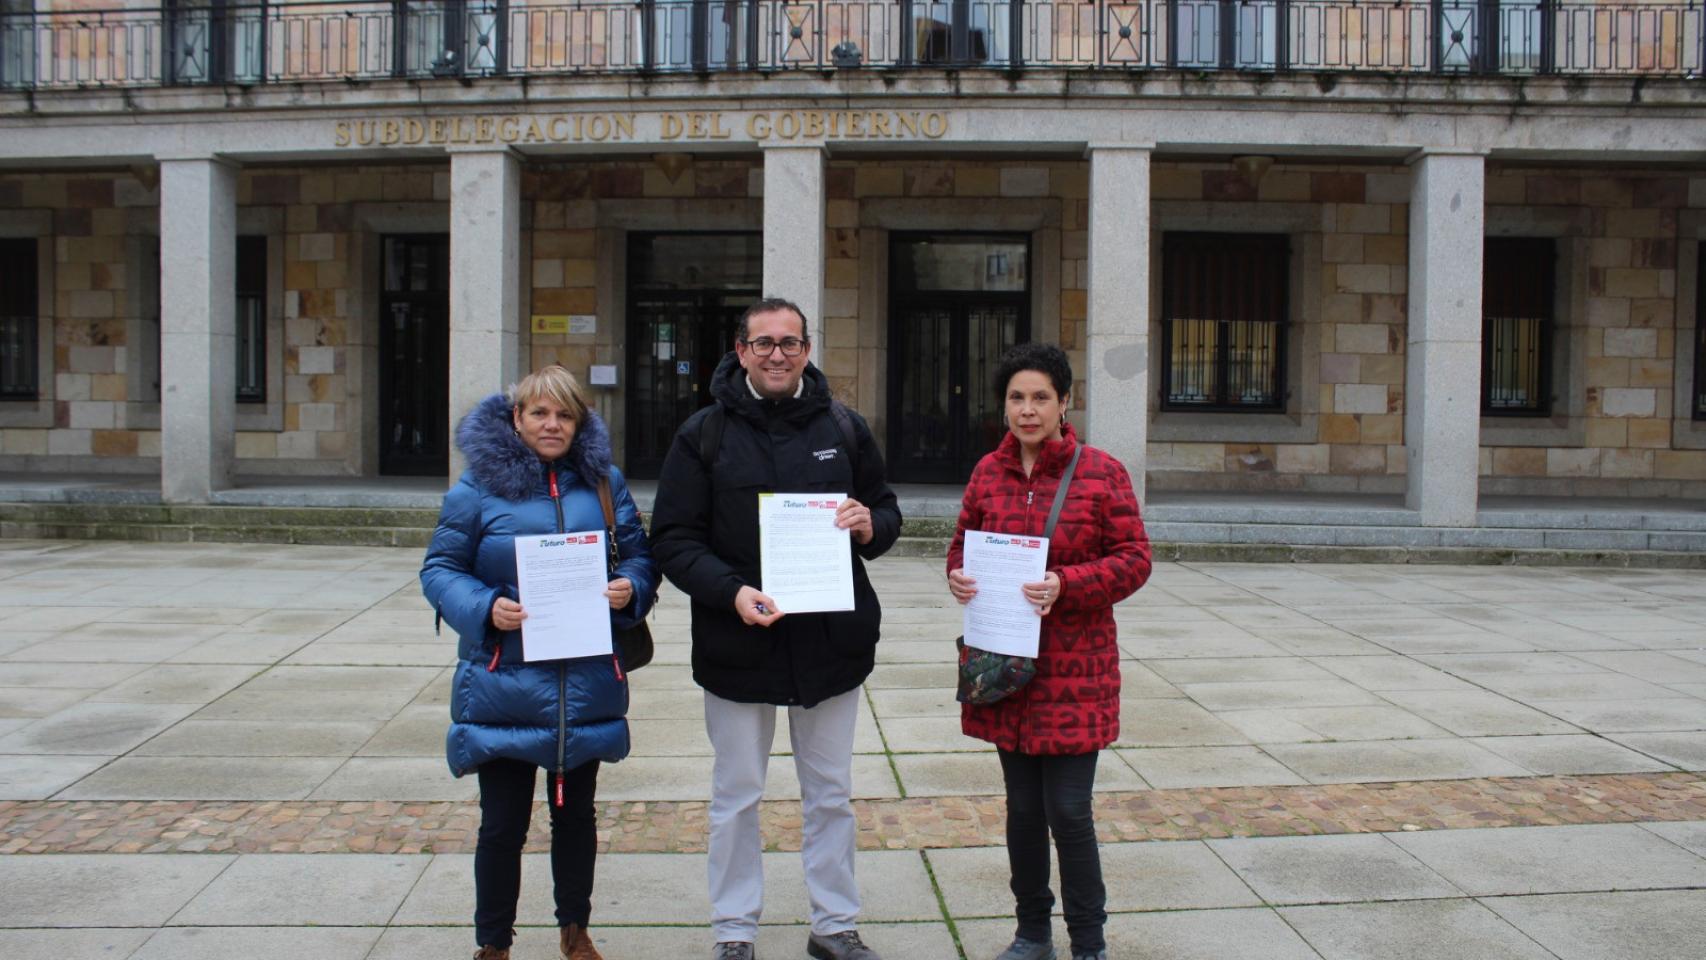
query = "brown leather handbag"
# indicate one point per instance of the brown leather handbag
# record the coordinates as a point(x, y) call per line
point(633, 645)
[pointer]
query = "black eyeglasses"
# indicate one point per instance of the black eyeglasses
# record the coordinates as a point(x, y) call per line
point(764, 346)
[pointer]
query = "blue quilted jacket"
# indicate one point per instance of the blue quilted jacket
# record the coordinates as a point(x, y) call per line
point(556, 714)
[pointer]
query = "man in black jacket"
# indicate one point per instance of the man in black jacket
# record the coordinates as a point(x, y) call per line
point(774, 427)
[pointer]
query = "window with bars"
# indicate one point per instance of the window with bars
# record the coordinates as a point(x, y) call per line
point(1700, 336)
point(1224, 303)
point(1516, 326)
point(19, 377)
point(251, 319)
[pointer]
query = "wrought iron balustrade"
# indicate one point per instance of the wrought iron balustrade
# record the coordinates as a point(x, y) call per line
point(210, 41)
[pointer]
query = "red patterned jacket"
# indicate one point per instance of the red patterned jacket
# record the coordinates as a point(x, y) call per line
point(1101, 553)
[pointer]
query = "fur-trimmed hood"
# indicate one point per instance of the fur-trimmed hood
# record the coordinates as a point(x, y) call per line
point(508, 468)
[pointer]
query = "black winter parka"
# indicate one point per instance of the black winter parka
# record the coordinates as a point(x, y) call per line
point(705, 539)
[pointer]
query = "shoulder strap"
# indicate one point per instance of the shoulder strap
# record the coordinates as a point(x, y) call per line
point(606, 501)
point(850, 437)
point(1060, 492)
point(711, 435)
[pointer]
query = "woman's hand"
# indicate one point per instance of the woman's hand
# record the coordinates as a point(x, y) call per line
point(1044, 593)
point(620, 592)
point(507, 614)
point(961, 586)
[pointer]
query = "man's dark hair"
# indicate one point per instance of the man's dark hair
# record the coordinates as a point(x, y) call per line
point(1045, 358)
point(767, 304)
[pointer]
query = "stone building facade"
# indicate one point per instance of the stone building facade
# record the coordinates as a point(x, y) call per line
point(1268, 281)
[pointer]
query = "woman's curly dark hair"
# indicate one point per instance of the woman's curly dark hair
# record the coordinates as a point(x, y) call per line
point(1045, 358)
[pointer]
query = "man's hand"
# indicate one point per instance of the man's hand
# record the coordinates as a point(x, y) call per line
point(855, 518)
point(619, 592)
point(755, 608)
point(507, 614)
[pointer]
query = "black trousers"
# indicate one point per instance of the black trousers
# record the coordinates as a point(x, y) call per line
point(506, 807)
point(1051, 795)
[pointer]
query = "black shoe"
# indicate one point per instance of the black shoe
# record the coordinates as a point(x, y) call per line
point(1022, 949)
point(845, 945)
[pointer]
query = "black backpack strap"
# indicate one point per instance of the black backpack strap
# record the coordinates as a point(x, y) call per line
point(711, 435)
point(849, 436)
point(1060, 492)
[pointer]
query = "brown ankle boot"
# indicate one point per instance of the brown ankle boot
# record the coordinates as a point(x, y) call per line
point(491, 953)
point(577, 944)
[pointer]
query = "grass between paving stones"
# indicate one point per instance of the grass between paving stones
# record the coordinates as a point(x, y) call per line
point(942, 905)
point(888, 754)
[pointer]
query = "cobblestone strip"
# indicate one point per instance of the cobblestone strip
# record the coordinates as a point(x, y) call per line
point(664, 827)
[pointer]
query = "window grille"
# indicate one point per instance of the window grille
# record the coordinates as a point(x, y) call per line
point(1224, 307)
point(19, 376)
point(1516, 326)
point(251, 319)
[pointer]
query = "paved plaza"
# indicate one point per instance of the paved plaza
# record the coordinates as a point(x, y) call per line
point(236, 751)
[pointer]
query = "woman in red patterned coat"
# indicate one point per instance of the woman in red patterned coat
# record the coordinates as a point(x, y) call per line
point(1049, 733)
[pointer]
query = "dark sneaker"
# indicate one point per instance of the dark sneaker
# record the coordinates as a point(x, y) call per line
point(733, 950)
point(1097, 955)
point(845, 945)
point(1022, 949)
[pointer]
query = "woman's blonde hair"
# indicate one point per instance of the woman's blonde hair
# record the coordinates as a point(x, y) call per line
point(553, 383)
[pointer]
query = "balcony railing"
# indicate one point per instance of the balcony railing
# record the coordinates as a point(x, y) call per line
point(208, 41)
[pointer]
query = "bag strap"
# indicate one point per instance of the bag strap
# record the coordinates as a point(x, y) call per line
point(711, 434)
point(608, 503)
point(1060, 492)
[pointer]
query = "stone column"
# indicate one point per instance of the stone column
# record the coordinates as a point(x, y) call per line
point(1442, 371)
point(1116, 364)
point(485, 280)
point(794, 231)
point(198, 327)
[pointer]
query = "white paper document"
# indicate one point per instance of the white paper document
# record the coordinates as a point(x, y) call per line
point(999, 619)
point(562, 579)
point(805, 560)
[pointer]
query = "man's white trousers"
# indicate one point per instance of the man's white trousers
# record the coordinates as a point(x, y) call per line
point(741, 734)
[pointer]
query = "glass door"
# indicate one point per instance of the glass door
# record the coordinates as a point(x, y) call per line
point(414, 356)
point(686, 292)
point(956, 303)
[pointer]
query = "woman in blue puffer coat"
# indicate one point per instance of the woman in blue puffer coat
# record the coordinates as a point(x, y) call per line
point(535, 459)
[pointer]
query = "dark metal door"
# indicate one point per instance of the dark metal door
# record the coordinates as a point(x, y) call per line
point(686, 293)
point(948, 326)
point(414, 356)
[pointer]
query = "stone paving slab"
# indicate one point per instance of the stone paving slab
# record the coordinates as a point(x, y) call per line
point(90, 943)
point(1139, 876)
point(1414, 930)
point(1183, 935)
point(1341, 869)
point(203, 778)
point(1570, 753)
point(259, 943)
point(301, 890)
point(1555, 859)
point(1611, 926)
point(102, 889)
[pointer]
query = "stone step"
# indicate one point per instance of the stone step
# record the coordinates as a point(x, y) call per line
point(920, 536)
point(1497, 538)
